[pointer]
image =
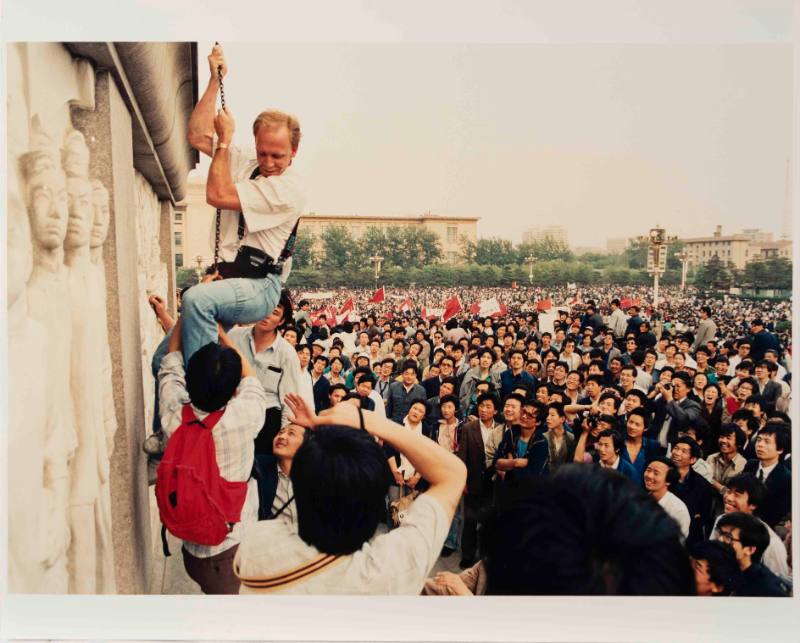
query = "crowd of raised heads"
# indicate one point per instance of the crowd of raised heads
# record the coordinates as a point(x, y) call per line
point(574, 442)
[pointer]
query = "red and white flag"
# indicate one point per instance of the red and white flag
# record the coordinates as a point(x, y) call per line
point(379, 296)
point(451, 308)
point(489, 307)
point(432, 313)
point(475, 308)
point(346, 307)
point(544, 304)
point(407, 305)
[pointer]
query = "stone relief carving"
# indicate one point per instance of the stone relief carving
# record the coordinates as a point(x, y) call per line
point(28, 504)
point(48, 303)
point(91, 562)
point(152, 280)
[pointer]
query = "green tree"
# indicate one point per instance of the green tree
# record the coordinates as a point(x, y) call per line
point(714, 275)
point(337, 247)
point(411, 247)
point(468, 249)
point(636, 254)
point(550, 250)
point(774, 272)
point(495, 252)
point(185, 277)
point(303, 254)
point(373, 242)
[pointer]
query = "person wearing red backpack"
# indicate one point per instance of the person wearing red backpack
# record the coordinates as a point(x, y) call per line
point(204, 490)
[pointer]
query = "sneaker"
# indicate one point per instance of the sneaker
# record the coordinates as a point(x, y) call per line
point(466, 563)
point(446, 551)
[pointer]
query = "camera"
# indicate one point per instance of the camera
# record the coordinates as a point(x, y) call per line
point(666, 386)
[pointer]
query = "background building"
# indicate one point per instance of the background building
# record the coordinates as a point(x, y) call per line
point(193, 220)
point(554, 232)
point(616, 246)
point(739, 248)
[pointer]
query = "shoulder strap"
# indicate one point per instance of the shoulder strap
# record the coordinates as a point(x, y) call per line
point(210, 421)
point(299, 573)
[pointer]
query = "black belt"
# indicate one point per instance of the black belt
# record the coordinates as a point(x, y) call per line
point(250, 263)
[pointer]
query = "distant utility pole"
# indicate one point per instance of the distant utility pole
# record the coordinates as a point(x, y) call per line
point(529, 259)
point(376, 258)
point(657, 242)
point(683, 256)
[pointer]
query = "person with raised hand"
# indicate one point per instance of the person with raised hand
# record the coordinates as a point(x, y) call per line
point(340, 478)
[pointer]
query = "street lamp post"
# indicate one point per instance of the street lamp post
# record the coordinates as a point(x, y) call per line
point(657, 241)
point(199, 260)
point(376, 258)
point(683, 256)
point(529, 259)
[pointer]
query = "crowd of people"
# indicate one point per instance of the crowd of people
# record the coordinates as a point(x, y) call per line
point(614, 450)
point(687, 423)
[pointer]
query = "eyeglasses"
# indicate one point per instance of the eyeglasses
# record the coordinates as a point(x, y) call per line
point(727, 536)
point(528, 414)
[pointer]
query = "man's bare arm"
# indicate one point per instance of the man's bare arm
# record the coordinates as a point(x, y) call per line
point(201, 122)
point(220, 189)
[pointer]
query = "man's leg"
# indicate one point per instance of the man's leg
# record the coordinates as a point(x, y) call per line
point(229, 301)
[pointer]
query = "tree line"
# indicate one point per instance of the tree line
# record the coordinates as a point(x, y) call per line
point(413, 255)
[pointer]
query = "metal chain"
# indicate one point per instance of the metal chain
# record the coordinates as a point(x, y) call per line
point(219, 214)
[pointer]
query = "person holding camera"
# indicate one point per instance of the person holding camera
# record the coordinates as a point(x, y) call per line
point(673, 409)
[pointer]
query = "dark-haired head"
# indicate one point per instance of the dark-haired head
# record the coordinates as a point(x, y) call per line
point(583, 532)
point(340, 477)
point(212, 375)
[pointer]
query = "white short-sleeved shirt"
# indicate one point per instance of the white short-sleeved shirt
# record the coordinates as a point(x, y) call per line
point(677, 510)
point(273, 558)
point(271, 205)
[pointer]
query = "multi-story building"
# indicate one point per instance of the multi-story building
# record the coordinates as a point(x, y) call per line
point(554, 232)
point(739, 248)
point(193, 220)
point(453, 232)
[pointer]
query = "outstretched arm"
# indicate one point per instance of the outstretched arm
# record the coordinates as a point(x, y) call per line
point(201, 122)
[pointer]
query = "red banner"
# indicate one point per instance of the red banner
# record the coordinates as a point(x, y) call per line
point(378, 297)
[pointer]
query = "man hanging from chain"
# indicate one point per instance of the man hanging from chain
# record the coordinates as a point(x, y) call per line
point(259, 198)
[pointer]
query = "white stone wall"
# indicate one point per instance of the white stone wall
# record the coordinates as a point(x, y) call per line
point(61, 403)
point(152, 279)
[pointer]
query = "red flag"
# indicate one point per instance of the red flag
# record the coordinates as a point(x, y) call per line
point(451, 308)
point(346, 307)
point(544, 304)
point(378, 297)
point(406, 305)
point(513, 285)
point(625, 303)
point(475, 308)
point(502, 312)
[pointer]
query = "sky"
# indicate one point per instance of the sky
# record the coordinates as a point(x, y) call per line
point(606, 139)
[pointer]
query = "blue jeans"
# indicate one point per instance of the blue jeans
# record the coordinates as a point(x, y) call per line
point(229, 302)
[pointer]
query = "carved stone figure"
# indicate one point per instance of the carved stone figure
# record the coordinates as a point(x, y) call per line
point(98, 236)
point(91, 551)
point(48, 303)
point(29, 503)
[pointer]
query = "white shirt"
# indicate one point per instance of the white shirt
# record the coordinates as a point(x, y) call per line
point(492, 435)
point(271, 205)
point(766, 471)
point(277, 367)
point(677, 510)
point(397, 562)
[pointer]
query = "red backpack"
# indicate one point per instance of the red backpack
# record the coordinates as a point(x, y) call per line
point(194, 501)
